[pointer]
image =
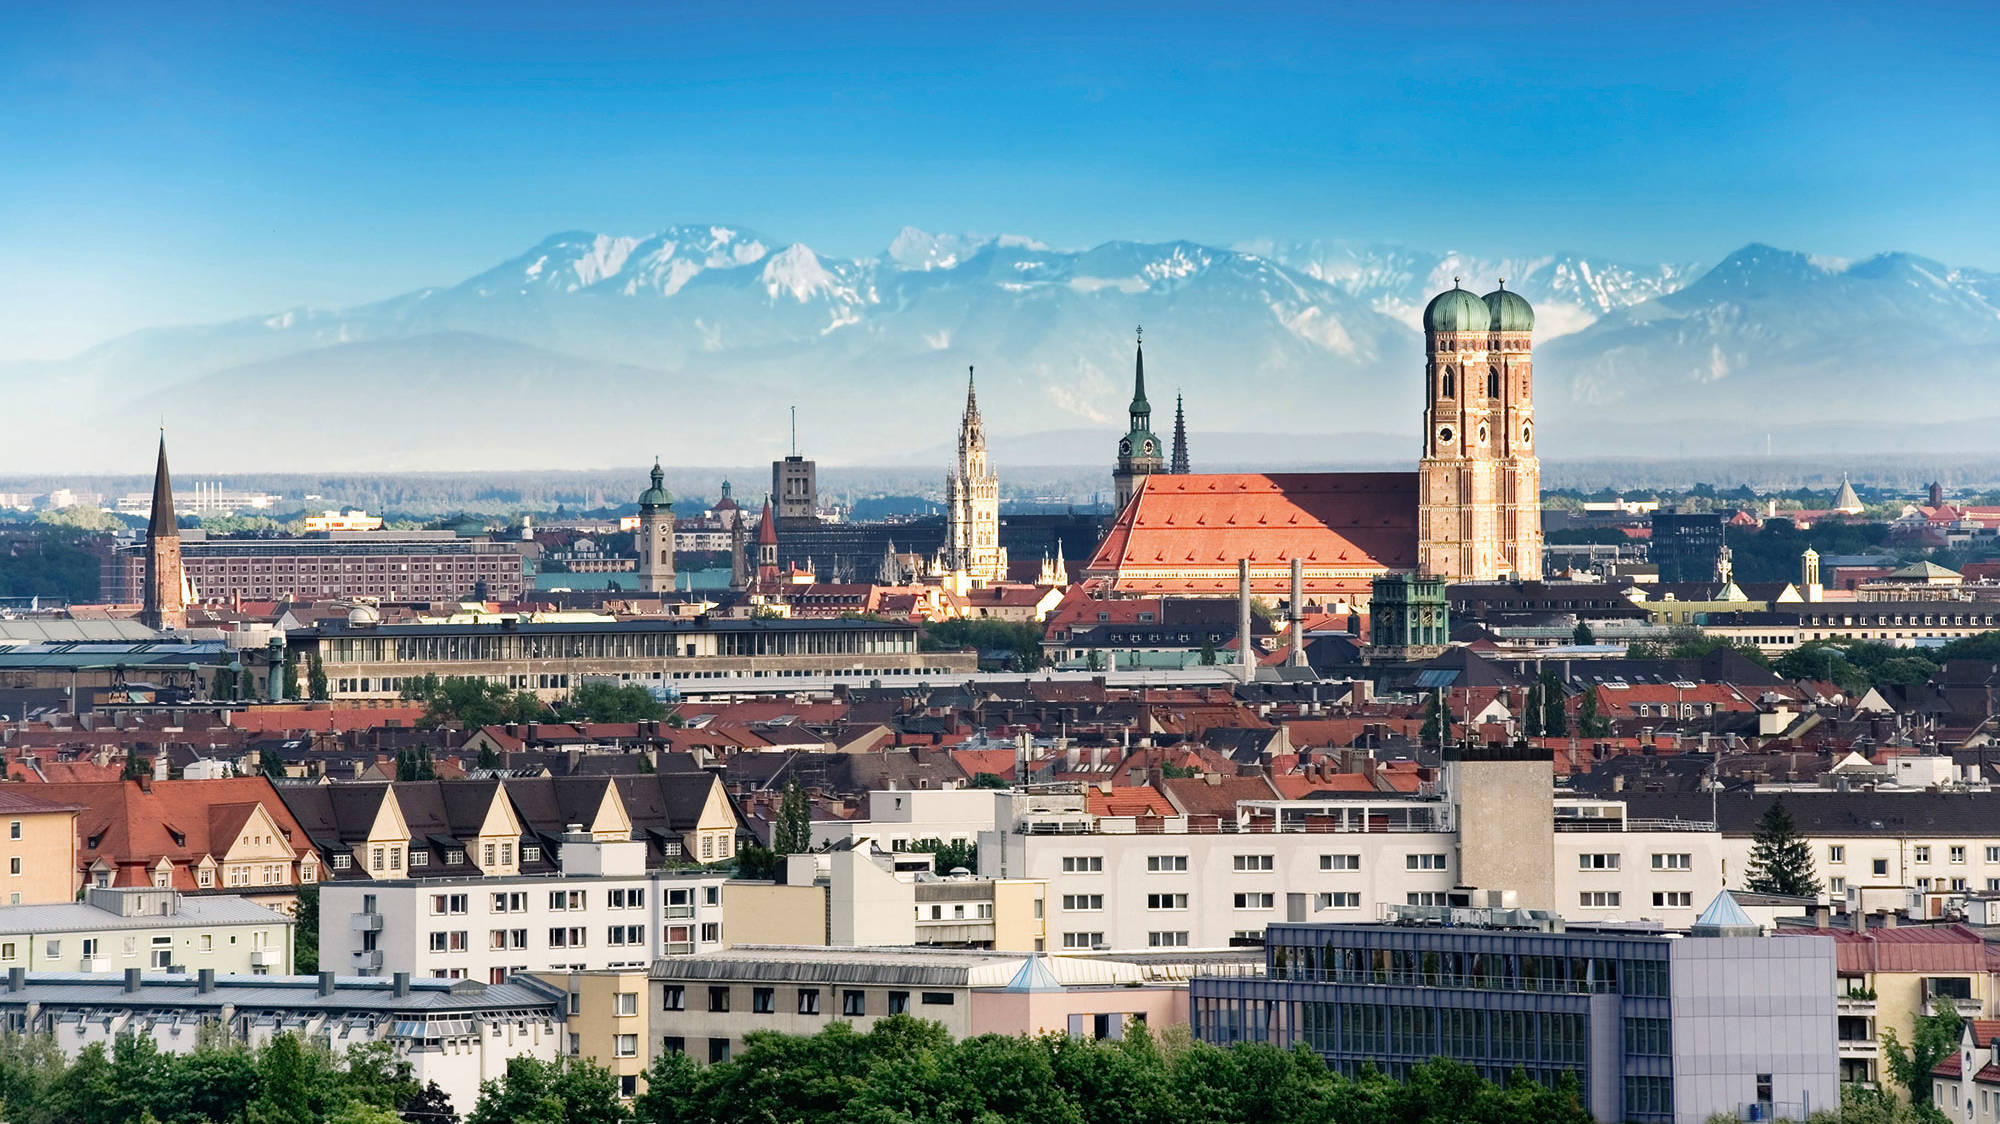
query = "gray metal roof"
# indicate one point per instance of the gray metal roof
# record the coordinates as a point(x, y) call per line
point(594, 628)
point(906, 966)
point(76, 917)
point(363, 994)
point(60, 631)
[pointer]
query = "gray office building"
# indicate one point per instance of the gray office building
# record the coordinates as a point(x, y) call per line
point(1658, 1027)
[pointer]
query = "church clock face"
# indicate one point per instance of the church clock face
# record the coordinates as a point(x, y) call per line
point(1445, 434)
point(1149, 448)
point(1125, 447)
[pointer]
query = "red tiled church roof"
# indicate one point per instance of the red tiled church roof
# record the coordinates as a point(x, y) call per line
point(1184, 534)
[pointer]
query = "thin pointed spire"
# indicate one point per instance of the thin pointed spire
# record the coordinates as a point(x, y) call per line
point(158, 524)
point(1179, 465)
point(1140, 407)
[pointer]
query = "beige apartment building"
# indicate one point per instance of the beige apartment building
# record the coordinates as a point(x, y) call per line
point(38, 850)
point(609, 1016)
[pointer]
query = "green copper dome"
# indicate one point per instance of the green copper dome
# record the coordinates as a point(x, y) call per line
point(1511, 312)
point(657, 495)
point(1457, 310)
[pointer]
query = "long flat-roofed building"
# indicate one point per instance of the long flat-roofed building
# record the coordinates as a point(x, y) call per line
point(454, 1032)
point(386, 565)
point(365, 659)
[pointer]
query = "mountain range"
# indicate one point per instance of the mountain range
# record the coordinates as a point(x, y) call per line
point(690, 343)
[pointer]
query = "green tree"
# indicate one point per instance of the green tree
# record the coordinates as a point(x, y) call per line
point(271, 763)
point(284, 1085)
point(470, 702)
point(1936, 1037)
point(1208, 651)
point(563, 1091)
point(305, 933)
point(1437, 722)
point(792, 834)
point(222, 687)
point(989, 780)
point(611, 702)
point(488, 757)
point(1589, 722)
point(1780, 859)
point(316, 679)
point(1584, 634)
point(1531, 711)
point(947, 856)
point(428, 1105)
point(415, 765)
point(757, 863)
point(1555, 715)
point(291, 673)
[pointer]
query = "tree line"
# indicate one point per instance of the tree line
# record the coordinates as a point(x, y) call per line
point(218, 1082)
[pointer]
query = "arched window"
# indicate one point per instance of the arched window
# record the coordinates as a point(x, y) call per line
point(666, 556)
point(1493, 382)
point(1444, 386)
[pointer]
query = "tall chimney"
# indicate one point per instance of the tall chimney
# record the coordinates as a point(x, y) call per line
point(1246, 662)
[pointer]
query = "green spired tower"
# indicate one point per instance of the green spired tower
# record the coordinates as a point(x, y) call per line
point(1138, 451)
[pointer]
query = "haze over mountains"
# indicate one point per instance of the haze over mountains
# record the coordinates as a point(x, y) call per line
point(595, 349)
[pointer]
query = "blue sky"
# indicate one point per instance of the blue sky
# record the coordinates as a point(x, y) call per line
point(183, 163)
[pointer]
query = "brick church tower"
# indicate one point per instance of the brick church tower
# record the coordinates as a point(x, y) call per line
point(1479, 482)
point(165, 604)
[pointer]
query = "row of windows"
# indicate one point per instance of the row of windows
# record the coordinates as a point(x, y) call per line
point(806, 1000)
point(1478, 971)
point(1178, 864)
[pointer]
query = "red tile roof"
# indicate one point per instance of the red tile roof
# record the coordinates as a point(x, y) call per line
point(133, 825)
point(1133, 800)
point(1184, 534)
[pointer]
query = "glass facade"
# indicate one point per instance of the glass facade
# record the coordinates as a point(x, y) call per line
point(1593, 1004)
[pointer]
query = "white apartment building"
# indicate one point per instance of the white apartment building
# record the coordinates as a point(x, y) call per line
point(1112, 886)
point(1609, 867)
point(900, 817)
point(604, 911)
point(114, 930)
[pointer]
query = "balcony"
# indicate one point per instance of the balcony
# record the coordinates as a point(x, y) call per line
point(365, 923)
point(368, 960)
point(680, 912)
point(1853, 1005)
point(1859, 1048)
point(267, 958)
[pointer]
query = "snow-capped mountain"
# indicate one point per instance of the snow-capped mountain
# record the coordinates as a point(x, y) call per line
point(1569, 291)
point(690, 341)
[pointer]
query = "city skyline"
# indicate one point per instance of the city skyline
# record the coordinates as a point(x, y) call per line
point(229, 163)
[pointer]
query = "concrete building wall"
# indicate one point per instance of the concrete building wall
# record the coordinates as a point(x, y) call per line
point(1020, 915)
point(771, 913)
point(1075, 1010)
point(1506, 801)
point(898, 817)
point(869, 905)
point(38, 857)
point(1746, 1006)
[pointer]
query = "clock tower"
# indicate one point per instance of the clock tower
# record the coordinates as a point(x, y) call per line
point(1139, 452)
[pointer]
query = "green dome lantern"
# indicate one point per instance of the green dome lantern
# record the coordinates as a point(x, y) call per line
point(1457, 310)
point(657, 495)
point(1511, 311)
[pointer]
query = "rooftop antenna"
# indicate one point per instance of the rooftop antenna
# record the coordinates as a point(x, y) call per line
point(795, 431)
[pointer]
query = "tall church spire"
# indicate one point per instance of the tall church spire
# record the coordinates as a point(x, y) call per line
point(1179, 465)
point(1138, 451)
point(165, 602)
point(971, 550)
